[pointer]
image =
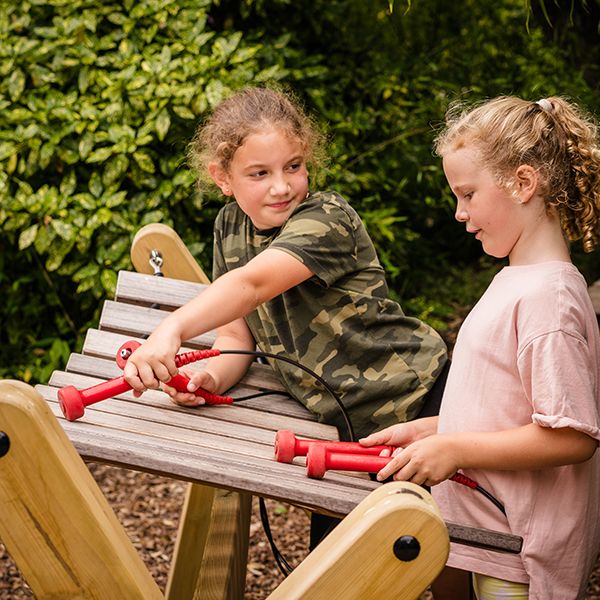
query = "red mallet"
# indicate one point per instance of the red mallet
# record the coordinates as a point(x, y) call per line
point(288, 446)
point(320, 459)
point(73, 401)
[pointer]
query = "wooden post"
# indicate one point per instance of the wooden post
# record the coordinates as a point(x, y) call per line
point(55, 522)
point(392, 545)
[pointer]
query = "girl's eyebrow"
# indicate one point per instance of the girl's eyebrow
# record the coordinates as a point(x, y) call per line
point(260, 165)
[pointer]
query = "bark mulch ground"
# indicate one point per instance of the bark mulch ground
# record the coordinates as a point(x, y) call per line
point(148, 506)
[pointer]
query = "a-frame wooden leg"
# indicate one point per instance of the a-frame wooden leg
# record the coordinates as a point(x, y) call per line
point(392, 545)
point(210, 556)
point(55, 522)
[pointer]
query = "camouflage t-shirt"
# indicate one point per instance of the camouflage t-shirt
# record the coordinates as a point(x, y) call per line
point(340, 322)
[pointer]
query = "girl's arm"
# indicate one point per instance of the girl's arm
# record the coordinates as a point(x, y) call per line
point(229, 298)
point(436, 458)
point(222, 372)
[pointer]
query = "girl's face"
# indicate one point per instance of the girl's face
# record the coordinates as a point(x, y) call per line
point(267, 177)
point(489, 211)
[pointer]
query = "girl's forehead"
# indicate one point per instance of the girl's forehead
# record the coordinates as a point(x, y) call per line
point(271, 140)
point(272, 132)
point(463, 159)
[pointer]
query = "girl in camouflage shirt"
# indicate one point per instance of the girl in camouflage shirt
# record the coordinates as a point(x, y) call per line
point(296, 274)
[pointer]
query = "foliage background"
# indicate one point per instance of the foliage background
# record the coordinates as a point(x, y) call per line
point(98, 102)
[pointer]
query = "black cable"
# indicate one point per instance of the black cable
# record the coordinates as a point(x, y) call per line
point(282, 563)
point(263, 393)
point(307, 370)
point(491, 498)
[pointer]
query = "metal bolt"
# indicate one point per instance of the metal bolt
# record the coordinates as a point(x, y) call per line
point(4, 443)
point(407, 548)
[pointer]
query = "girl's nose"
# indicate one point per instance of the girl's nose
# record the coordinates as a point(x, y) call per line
point(461, 214)
point(279, 186)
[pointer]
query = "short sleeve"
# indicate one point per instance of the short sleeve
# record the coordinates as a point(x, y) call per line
point(324, 235)
point(561, 382)
point(218, 267)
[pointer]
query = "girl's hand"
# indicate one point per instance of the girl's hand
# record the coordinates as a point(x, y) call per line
point(153, 362)
point(402, 434)
point(201, 379)
point(428, 461)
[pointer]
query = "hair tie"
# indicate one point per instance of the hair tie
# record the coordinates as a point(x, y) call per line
point(545, 104)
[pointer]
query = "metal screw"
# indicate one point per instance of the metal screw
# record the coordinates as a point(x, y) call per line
point(4, 443)
point(407, 548)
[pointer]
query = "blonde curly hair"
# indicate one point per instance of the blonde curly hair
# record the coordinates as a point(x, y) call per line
point(554, 136)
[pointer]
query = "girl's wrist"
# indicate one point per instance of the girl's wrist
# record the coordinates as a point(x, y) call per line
point(216, 387)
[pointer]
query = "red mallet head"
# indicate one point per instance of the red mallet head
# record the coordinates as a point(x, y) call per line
point(71, 402)
point(288, 446)
point(125, 351)
point(316, 461)
point(285, 446)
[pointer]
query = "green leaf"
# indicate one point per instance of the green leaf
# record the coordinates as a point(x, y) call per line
point(108, 279)
point(16, 84)
point(86, 143)
point(86, 272)
point(115, 168)
point(163, 122)
point(215, 92)
point(100, 155)
point(115, 200)
point(95, 185)
point(144, 161)
point(27, 236)
point(65, 230)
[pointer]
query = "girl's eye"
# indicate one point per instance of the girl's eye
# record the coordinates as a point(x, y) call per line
point(258, 173)
point(468, 195)
point(294, 166)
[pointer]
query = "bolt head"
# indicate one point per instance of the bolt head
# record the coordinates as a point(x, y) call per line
point(407, 548)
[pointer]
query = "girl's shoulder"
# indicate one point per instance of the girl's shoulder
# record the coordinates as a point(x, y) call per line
point(543, 281)
point(329, 206)
point(547, 297)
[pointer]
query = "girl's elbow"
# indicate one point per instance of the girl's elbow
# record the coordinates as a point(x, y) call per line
point(586, 449)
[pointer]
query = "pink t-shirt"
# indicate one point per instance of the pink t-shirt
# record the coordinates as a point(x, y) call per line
point(529, 351)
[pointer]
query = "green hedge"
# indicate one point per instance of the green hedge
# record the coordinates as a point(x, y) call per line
point(99, 99)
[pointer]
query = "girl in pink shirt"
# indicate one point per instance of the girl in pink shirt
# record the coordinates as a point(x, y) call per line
point(521, 409)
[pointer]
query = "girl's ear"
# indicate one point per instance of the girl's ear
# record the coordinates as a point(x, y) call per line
point(526, 179)
point(220, 177)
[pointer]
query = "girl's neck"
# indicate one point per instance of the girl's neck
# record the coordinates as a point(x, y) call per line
point(542, 242)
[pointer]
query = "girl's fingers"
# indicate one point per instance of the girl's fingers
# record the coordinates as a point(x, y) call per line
point(392, 467)
point(183, 398)
point(375, 439)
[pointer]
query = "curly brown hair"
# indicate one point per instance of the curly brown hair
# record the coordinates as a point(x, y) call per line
point(554, 136)
point(248, 111)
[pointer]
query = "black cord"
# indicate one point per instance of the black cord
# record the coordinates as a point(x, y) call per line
point(491, 498)
point(307, 370)
point(282, 563)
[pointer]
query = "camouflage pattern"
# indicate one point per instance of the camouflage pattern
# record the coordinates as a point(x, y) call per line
point(340, 322)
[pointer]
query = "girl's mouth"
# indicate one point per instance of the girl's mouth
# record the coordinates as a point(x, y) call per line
point(280, 205)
